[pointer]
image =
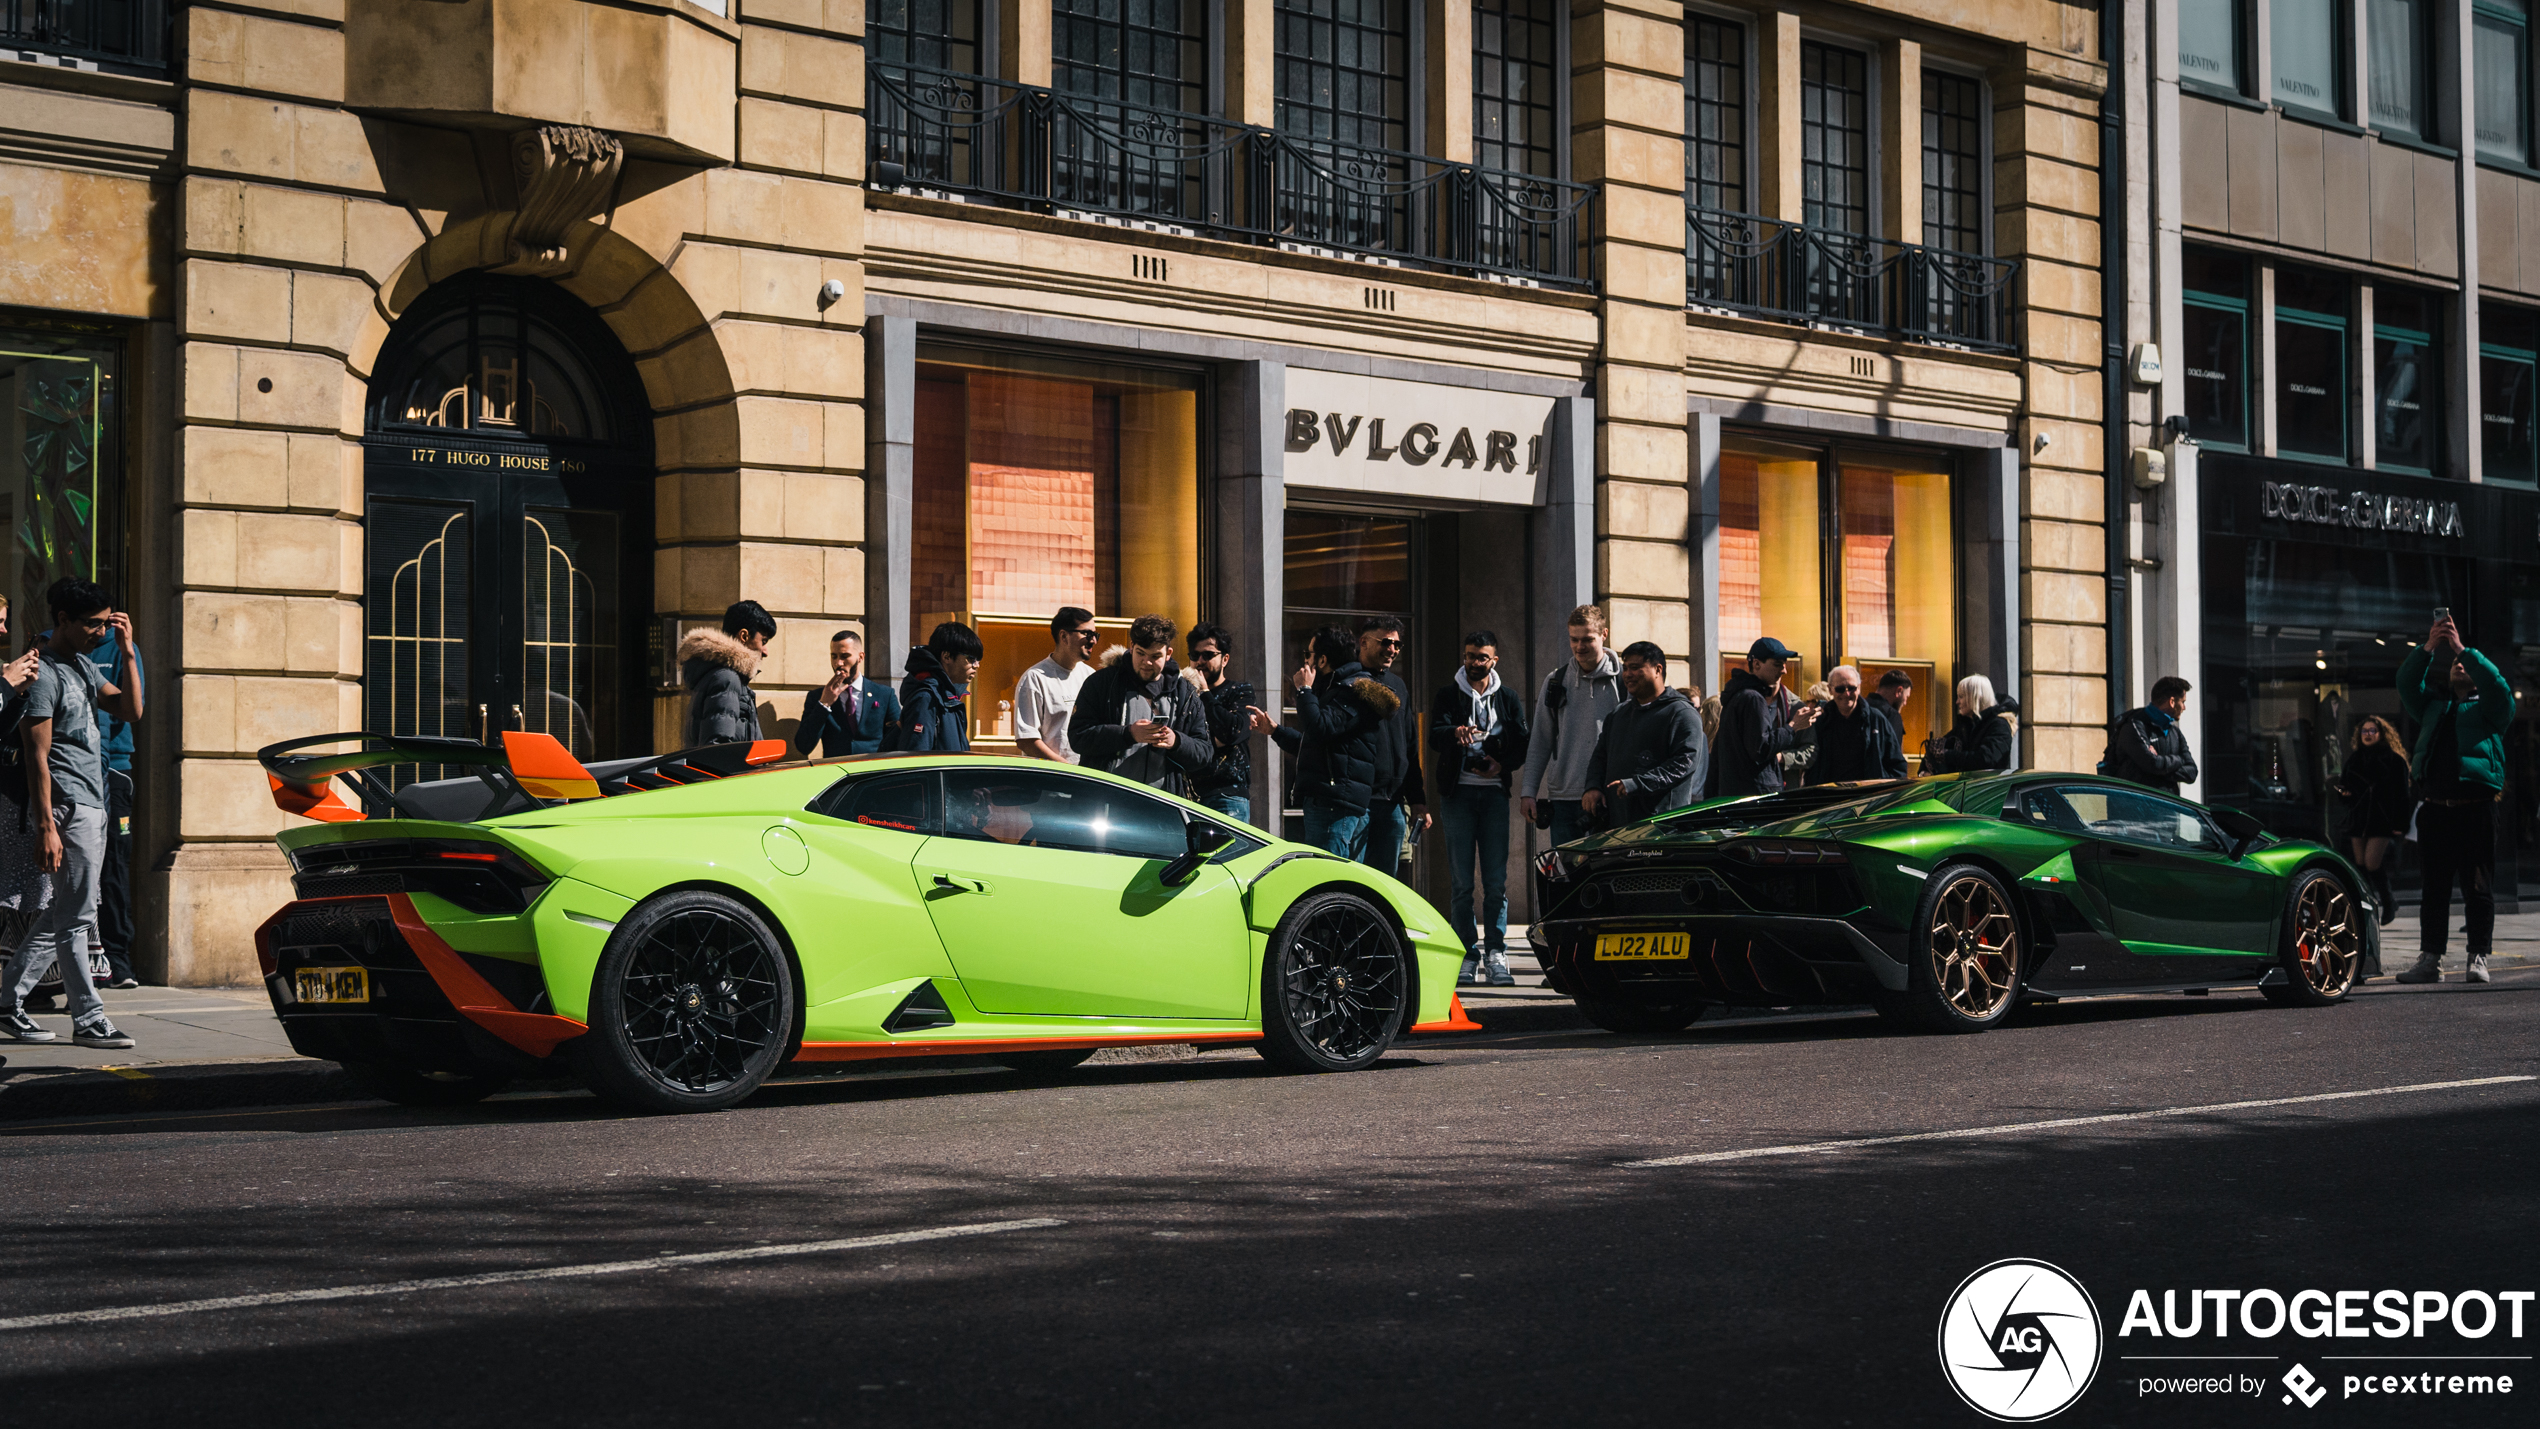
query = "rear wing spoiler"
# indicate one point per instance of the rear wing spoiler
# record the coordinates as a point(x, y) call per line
point(525, 771)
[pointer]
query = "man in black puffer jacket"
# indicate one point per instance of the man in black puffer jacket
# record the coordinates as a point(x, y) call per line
point(1754, 727)
point(2148, 746)
point(1138, 718)
point(1340, 710)
point(1226, 784)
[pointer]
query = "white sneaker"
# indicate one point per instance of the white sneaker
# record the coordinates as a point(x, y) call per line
point(2477, 969)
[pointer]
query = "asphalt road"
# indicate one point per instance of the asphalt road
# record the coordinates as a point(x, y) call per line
point(1453, 1238)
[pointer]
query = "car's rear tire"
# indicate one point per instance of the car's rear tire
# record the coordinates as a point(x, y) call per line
point(1964, 975)
point(691, 1008)
point(1044, 1064)
point(407, 1087)
point(1633, 1019)
point(2323, 946)
point(1334, 987)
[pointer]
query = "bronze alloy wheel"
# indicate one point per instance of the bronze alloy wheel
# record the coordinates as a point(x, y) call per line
point(2326, 942)
point(2323, 947)
point(1975, 946)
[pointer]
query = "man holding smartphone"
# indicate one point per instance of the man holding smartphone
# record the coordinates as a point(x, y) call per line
point(2462, 707)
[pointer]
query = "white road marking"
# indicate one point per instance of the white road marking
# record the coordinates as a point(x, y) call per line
point(509, 1277)
point(1854, 1144)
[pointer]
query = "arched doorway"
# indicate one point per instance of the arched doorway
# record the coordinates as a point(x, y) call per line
point(507, 475)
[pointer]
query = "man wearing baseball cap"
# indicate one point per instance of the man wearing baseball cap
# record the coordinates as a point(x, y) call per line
point(1758, 720)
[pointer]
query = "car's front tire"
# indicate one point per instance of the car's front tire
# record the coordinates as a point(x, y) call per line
point(1334, 986)
point(1965, 971)
point(691, 1008)
point(1633, 1019)
point(407, 1087)
point(2323, 945)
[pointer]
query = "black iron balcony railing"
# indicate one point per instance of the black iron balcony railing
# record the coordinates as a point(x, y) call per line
point(129, 36)
point(1024, 145)
point(1793, 273)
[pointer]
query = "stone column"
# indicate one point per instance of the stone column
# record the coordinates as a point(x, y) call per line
point(2046, 185)
point(1901, 141)
point(1251, 501)
point(1450, 80)
point(1628, 91)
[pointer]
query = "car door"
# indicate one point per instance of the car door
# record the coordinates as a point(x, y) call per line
point(2178, 900)
point(1044, 887)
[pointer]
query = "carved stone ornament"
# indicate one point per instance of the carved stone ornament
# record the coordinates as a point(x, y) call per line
point(565, 172)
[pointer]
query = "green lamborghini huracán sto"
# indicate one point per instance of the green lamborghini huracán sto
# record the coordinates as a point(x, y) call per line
point(672, 930)
point(1943, 902)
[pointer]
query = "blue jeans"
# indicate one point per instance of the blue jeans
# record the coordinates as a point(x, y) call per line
point(1237, 807)
point(1569, 822)
point(1380, 846)
point(1476, 818)
point(1334, 829)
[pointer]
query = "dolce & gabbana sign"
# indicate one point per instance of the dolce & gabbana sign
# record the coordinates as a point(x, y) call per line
point(1348, 432)
point(2359, 510)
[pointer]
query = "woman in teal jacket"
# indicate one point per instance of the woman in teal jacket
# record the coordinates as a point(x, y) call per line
point(2462, 706)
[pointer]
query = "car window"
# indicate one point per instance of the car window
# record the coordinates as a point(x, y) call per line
point(2127, 815)
point(1046, 809)
point(904, 801)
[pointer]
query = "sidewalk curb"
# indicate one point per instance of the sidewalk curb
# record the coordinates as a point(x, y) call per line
point(178, 1086)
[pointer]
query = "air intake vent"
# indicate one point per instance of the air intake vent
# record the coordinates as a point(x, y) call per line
point(921, 1009)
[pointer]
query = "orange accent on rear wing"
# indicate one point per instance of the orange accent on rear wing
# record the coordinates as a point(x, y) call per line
point(546, 769)
point(319, 803)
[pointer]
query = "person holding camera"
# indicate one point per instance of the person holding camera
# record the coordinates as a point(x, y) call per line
point(2462, 707)
point(1477, 740)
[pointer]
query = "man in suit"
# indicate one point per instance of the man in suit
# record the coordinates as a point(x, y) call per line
point(850, 714)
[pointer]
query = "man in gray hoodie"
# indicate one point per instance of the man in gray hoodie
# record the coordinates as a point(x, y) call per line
point(1651, 751)
point(1570, 712)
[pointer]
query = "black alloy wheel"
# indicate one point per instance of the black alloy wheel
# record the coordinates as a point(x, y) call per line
point(2323, 943)
point(1333, 988)
point(1633, 1019)
point(408, 1087)
point(692, 1006)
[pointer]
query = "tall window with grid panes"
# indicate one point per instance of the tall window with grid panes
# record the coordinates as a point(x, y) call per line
point(1515, 116)
point(1715, 161)
point(1136, 73)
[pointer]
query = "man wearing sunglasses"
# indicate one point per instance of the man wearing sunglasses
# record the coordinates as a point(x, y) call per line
point(1045, 697)
point(1856, 738)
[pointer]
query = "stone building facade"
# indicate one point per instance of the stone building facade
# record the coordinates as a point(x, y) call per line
point(440, 362)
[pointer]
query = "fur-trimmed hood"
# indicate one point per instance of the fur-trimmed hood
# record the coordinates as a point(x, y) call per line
point(1370, 691)
point(710, 647)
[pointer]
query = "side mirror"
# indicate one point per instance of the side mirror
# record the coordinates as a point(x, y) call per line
point(2241, 827)
point(1201, 839)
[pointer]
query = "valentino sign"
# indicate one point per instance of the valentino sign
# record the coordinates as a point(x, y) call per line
point(1374, 434)
point(2362, 510)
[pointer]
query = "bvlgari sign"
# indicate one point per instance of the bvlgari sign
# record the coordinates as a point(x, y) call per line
point(1375, 434)
point(2361, 510)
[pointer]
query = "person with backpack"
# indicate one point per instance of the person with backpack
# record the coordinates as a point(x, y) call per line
point(1571, 708)
point(2462, 707)
point(2149, 746)
point(66, 804)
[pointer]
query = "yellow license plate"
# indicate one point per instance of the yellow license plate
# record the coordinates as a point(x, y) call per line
point(331, 984)
point(1642, 947)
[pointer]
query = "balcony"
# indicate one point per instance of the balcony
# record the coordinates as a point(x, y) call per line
point(119, 36)
point(1023, 146)
point(1788, 272)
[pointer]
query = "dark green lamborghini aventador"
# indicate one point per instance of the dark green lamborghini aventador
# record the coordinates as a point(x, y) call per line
point(1943, 902)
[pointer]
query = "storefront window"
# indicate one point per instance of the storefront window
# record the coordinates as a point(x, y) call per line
point(61, 468)
point(2398, 65)
point(1890, 544)
point(2216, 331)
point(2209, 45)
point(2507, 365)
point(2310, 361)
point(2305, 53)
point(2407, 381)
point(2500, 76)
point(1770, 547)
point(1038, 485)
